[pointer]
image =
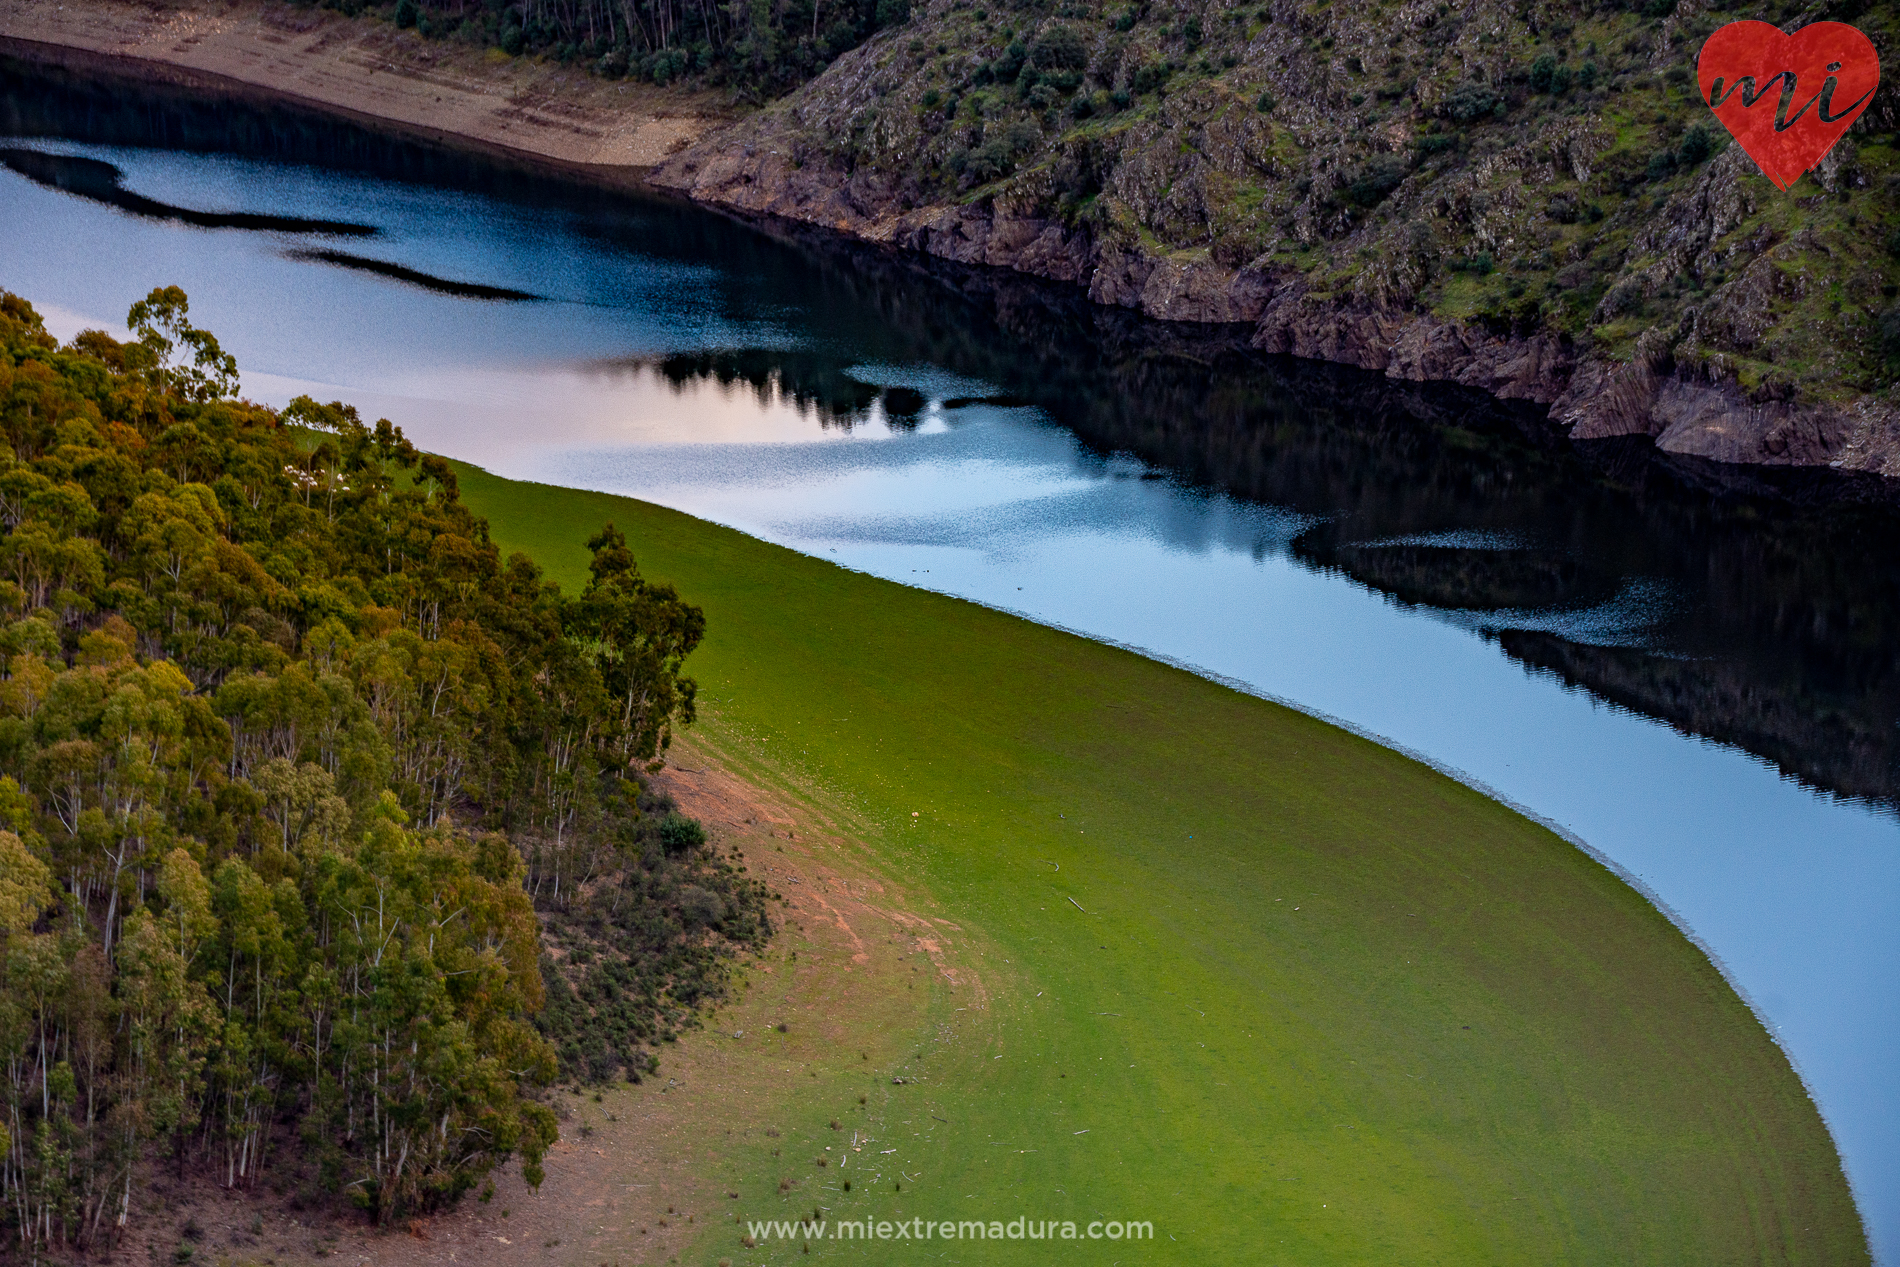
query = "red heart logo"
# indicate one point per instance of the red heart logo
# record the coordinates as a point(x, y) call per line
point(1787, 98)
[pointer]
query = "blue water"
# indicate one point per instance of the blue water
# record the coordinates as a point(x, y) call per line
point(1794, 891)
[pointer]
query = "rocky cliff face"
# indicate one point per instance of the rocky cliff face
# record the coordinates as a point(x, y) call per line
point(1526, 197)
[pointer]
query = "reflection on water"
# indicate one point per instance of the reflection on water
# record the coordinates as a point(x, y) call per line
point(812, 384)
point(1422, 563)
point(103, 182)
point(397, 272)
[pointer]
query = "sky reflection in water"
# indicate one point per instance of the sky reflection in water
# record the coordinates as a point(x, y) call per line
point(1797, 893)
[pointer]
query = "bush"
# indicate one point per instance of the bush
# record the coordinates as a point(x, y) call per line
point(1624, 297)
point(1375, 179)
point(996, 157)
point(405, 13)
point(1150, 77)
point(667, 66)
point(1662, 165)
point(1058, 49)
point(1696, 146)
point(701, 908)
point(1481, 264)
point(1191, 32)
point(1266, 103)
point(1587, 76)
point(1543, 71)
point(1010, 64)
point(1890, 336)
point(1471, 101)
point(680, 834)
point(892, 13)
point(511, 40)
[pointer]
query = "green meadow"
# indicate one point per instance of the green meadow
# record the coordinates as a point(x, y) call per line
point(1287, 995)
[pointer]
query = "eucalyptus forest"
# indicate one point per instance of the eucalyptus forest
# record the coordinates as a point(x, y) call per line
point(303, 789)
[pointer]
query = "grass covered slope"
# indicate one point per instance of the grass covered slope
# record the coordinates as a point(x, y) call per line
point(1320, 1004)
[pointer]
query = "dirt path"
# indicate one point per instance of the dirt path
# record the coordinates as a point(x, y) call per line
point(640, 1171)
point(372, 71)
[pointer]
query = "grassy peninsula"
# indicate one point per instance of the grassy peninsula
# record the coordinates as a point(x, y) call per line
point(328, 848)
point(1289, 995)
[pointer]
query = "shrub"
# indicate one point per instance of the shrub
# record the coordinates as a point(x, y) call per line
point(997, 156)
point(1010, 64)
point(892, 13)
point(1696, 146)
point(1890, 336)
point(668, 66)
point(1471, 101)
point(405, 13)
point(1662, 165)
point(701, 908)
point(1375, 179)
point(1266, 103)
point(1058, 49)
point(680, 834)
point(1624, 297)
point(1543, 71)
point(1150, 77)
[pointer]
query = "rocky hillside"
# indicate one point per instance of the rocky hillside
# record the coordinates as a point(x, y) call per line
point(1526, 196)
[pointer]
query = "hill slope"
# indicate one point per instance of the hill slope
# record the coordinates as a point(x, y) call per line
point(1522, 197)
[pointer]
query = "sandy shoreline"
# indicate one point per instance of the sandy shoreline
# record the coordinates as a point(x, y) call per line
point(373, 74)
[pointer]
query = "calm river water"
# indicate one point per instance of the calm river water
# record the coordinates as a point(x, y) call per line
point(1695, 673)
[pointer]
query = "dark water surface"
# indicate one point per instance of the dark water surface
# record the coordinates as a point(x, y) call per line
point(1695, 670)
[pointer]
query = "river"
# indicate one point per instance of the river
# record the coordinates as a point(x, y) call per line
point(1690, 670)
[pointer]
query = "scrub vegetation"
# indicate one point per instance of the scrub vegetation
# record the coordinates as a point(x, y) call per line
point(756, 51)
point(303, 788)
point(1522, 169)
point(1290, 995)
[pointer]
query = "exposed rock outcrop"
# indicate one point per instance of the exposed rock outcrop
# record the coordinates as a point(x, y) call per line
point(1413, 196)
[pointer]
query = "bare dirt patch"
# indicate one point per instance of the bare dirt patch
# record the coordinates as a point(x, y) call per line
point(645, 1173)
point(369, 68)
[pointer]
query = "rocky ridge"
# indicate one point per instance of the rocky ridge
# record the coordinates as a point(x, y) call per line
point(1518, 197)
